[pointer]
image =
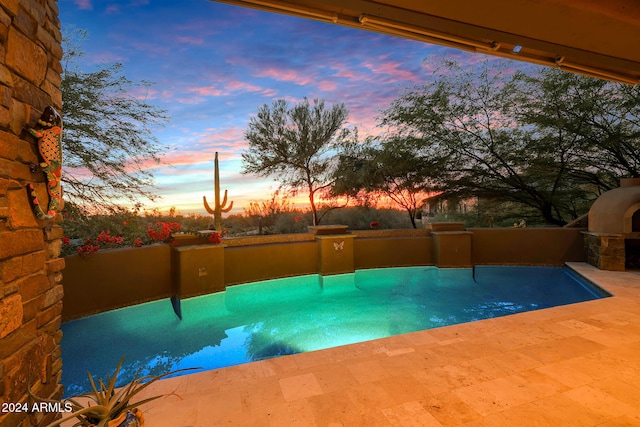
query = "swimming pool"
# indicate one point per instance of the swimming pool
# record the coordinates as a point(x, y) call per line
point(286, 316)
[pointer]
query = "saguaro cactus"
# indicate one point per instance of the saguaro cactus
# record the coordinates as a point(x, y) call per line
point(219, 208)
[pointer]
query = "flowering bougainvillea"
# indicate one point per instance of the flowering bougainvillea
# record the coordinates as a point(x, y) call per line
point(215, 238)
point(137, 242)
point(105, 239)
point(88, 249)
point(162, 230)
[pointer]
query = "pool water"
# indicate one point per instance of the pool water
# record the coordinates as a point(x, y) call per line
point(286, 316)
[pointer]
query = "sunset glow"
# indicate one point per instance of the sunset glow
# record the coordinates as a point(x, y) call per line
point(213, 65)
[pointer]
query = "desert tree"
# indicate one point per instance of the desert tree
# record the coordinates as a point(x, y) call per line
point(390, 169)
point(108, 139)
point(475, 118)
point(296, 145)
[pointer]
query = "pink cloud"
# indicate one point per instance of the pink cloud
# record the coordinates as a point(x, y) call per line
point(225, 89)
point(327, 85)
point(206, 91)
point(391, 68)
point(238, 85)
point(289, 75)
point(84, 4)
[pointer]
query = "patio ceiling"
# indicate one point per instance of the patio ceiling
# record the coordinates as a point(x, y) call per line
point(592, 37)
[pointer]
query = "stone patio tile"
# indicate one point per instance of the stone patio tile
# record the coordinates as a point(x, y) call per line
point(531, 415)
point(368, 371)
point(428, 358)
point(520, 338)
point(259, 396)
point(331, 408)
point(578, 326)
point(410, 414)
point(312, 359)
point(624, 392)
point(403, 363)
point(599, 401)
point(247, 373)
point(617, 318)
point(565, 372)
point(562, 411)
point(403, 388)
point(623, 421)
point(449, 409)
point(300, 387)
point(502, 364)
point(335, 378)
point(560, 349)
point(366, 397)
point(422, 338)
point(172, 413)
point(603, 365)
point(208, 381)
point(613, 337)
point(449, 377)
point(280, 365)
point(502, 393)
point(296, 413)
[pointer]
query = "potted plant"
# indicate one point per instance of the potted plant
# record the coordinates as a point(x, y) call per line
point(108, 407)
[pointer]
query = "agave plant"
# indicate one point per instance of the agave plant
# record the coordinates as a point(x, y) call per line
point(108, 407)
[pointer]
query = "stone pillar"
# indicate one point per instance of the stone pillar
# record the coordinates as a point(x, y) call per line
point(451, 244)
point(335, 249)
point(452, 249)
point(197, 270)
point(30, 264)
point(605, 251)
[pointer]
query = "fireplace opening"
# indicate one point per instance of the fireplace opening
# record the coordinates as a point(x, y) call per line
point(632, 254)
point(635, 222)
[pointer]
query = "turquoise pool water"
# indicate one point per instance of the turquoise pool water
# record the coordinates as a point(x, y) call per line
point(285, 316)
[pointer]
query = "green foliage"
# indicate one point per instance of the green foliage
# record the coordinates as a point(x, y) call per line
point(294, 145)
point(108, 137)
point(362, 218)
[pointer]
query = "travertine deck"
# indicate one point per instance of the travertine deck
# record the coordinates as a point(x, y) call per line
point(575, 365)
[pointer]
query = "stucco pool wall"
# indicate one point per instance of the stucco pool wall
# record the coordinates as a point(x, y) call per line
point(121, 277)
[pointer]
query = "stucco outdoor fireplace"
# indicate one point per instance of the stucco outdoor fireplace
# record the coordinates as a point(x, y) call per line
point(613, 239)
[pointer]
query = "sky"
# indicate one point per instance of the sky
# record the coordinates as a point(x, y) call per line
point(213, 65)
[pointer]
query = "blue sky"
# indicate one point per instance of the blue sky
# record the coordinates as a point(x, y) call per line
point(213, 65)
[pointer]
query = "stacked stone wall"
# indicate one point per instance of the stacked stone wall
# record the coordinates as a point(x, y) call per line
point(30, 264)
point(607, 252)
